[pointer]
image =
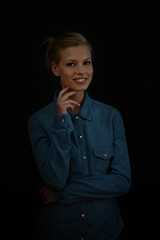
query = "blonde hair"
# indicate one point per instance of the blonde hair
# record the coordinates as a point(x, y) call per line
point(67, 39)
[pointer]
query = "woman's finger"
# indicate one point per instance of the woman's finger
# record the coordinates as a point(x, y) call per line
point(63, 97)
point(70, 101)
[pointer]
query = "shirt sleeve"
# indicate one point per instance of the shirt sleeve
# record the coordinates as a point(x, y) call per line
point(51, 148)
point(111, 185)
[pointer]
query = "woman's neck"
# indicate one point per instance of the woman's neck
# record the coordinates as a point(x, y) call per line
point(78, 97)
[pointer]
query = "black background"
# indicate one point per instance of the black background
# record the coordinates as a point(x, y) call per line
point(125, 38)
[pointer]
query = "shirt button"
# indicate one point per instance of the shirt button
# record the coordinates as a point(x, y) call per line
point(80, 136)
point(84, 157)
point(76, 117)
point(105, 154)
point(63, 120)
point(82, 215)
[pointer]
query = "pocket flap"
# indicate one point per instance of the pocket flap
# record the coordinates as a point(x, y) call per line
point(103, 154)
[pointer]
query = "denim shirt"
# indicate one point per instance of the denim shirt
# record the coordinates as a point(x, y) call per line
point(84, 159)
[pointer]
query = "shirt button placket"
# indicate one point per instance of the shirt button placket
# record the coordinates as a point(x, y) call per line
point(83, 218)
point(82, 144)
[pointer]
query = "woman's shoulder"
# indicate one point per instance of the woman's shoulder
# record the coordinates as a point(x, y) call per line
point(105, 111)
point(45, 112)
point(103, 106)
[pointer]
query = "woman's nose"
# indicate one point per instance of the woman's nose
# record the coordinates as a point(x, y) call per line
point(80, 69)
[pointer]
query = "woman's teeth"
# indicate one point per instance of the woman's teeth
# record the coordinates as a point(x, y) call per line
point(80, 80)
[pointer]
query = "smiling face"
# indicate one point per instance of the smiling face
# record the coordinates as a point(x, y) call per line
point(74, 68)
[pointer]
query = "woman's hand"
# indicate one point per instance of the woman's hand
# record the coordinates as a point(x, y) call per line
point(64, 102)
point(47, 195)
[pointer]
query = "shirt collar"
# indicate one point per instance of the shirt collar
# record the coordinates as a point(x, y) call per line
point(85, 111)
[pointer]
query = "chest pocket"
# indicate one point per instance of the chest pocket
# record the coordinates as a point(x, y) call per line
point(102, 160)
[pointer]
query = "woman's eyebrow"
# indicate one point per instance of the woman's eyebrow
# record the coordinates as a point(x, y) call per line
point(73, 60)
point(87, 58)
point(70, 60)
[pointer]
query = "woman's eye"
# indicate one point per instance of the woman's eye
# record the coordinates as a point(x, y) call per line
point(71, 64)
point(87, 62)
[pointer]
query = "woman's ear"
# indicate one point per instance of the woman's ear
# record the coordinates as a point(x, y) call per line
point(55, 69)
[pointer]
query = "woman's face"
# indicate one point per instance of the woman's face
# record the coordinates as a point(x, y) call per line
point(74, 68)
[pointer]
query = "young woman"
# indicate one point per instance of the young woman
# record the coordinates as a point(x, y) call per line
point(80, 148)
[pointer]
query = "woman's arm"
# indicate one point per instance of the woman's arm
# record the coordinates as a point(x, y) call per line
point(116, 183)
point(51, 149)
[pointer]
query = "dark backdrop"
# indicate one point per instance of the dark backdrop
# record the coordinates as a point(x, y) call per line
point(125, 38)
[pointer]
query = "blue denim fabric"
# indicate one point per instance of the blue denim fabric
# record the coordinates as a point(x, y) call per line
point(84, 159)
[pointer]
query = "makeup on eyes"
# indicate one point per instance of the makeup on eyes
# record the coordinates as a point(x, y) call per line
point(72, 63)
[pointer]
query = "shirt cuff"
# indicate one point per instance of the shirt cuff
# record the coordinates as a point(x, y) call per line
point(63, 121)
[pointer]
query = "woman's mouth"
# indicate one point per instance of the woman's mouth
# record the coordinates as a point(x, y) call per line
point(80, 80)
